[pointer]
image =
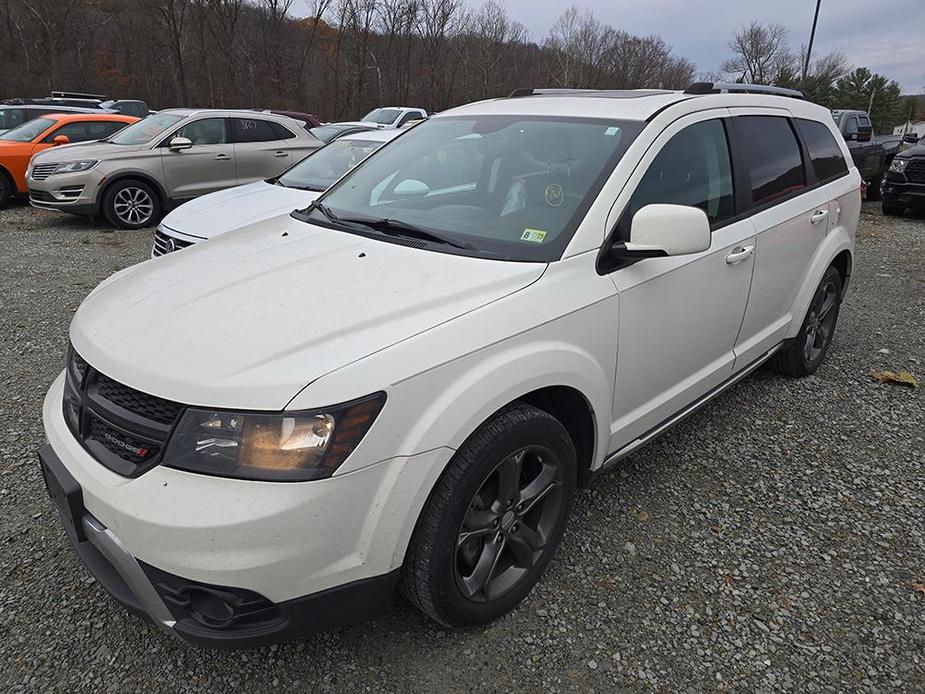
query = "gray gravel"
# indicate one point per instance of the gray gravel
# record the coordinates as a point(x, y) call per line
point(771, 542)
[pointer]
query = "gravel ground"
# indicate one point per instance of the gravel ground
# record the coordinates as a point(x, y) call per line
point(773, 541)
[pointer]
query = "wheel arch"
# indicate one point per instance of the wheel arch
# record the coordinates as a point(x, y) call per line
point(836, 250)
point(132, 175)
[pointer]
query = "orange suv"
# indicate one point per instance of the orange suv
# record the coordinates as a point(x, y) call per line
point(19, 144)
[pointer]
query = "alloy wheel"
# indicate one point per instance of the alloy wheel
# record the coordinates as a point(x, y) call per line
point(509, 523)
point(821, 321)
point(133, 206)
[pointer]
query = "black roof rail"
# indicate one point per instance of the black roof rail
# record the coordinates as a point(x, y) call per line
point(740, 87)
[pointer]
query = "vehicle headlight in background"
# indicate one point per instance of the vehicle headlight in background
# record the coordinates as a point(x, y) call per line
point(284, 446)
point(75, 166)
point(898, 165)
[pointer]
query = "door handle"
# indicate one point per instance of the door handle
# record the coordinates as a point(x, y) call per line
point(222, 157)
point(739, 253)
point(818, 216)
point(281, 154)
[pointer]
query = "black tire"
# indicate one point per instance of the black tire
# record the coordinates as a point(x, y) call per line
point(873, 189)
point(6, 188)
point(802, 355)
point(892, 210)
point(131, 204)
point(442, 570)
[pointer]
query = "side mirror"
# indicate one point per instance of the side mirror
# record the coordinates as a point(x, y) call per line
point(665, 230)
point(411, 188)
point(61, 140)
point(178, 144)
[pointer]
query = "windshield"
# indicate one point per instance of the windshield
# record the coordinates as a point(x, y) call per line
point(383, 116)
point(514, 187)
point(29, 130)
point(144, 131)
point(318, 171)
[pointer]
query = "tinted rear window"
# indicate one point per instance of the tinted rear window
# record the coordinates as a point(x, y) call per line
point(772, 157)
point(252, 130)
point(824, 152)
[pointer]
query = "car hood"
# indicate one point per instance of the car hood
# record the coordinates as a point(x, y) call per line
point(252, 317)
point(88, 150)
point(366, 123)
point(236, 207)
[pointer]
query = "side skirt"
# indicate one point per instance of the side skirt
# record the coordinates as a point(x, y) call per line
point(660, 429)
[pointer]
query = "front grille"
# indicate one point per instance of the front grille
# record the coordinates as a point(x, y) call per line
point(166, 244)
point(142, 404)
point(42, 171)
point(915, 171)
point(124, 429)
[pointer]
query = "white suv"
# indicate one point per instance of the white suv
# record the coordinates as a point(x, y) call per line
point(403, 384)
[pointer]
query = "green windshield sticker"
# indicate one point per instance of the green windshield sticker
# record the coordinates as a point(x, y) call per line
point(612, 130)
point(533, 235)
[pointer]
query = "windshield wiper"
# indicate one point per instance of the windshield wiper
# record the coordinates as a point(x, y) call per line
point(395, 227)
point(323, 209)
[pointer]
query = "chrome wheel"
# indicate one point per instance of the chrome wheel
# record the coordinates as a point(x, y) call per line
point(133, 206)
point(509, 523)
point(821, 321)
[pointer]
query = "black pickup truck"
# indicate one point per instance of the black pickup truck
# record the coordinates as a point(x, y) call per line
point(904, 183)
point(872, 154)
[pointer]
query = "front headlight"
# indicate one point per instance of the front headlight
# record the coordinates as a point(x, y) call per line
point(898, 165)
point(75, 166)
point(285, 446)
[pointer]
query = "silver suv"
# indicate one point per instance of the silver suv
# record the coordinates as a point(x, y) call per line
point(135, 176)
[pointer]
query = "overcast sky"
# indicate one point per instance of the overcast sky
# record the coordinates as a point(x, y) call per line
point(886, 35)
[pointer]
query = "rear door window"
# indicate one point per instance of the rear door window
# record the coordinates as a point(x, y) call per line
point(252, 130)
point(771, 155)
point(280, 132)
point(824, 153)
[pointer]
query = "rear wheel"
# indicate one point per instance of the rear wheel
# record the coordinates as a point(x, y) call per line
point(802, 355)
point(494, 519)
point(131, 204)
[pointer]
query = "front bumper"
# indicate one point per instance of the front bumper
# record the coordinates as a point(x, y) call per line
point(288, 545)
point(901, 192)
point(218, 616)
point(76, 193)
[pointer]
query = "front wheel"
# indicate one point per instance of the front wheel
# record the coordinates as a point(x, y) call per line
point(131, 204)
point(802, 355)
point(494, 519)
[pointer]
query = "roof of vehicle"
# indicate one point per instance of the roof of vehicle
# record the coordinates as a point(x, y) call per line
point(91, 116)
point(228, 112)
point(632, 104)
point(375, 135)
point(64, 108)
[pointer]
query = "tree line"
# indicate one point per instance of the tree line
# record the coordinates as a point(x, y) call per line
point(345, 57)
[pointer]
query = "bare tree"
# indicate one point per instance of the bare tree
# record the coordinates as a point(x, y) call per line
point(760, 53)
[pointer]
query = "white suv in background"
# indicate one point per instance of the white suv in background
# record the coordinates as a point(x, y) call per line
point(403, 383)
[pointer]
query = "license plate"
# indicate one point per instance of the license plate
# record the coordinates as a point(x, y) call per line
point(64, 491)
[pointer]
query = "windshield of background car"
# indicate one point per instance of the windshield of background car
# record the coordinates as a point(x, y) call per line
point(144, 131)
point(511, 187)
point(321, 169)
point(326, 133)
point(29, 130)
point(383, 116)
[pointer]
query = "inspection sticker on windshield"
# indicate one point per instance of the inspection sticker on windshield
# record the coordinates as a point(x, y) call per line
point(533, 235)
point(611, 131)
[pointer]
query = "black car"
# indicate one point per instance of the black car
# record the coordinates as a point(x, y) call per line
point(904, 183)
point(15, 114)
